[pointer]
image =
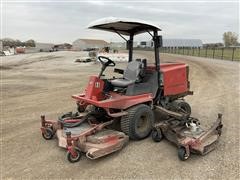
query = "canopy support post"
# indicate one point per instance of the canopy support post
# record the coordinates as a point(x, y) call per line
point(120, 34)
point(130, 47)
point(157, 44)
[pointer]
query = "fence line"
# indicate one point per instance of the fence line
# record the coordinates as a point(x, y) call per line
point(215, 53)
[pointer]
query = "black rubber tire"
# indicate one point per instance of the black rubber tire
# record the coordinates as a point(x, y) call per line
point(182, 154)
point(48, 134)
point(183, 107)
point(138, 114)
point(157, 135)
point(72, 159)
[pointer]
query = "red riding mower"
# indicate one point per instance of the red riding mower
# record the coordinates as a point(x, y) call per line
point(129, 100)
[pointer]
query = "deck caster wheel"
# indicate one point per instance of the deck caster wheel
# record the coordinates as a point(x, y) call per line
point(48, 134)
point(182, 154)
point(76, 158)
point(157, 135)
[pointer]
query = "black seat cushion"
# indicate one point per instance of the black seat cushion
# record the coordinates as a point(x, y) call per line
point(130, 75)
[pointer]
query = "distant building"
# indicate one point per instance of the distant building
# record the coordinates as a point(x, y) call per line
point(118, 45)
point(83, 44)
point(174, 43)
point(1, 46)
point(182, 43)
point(40, 47)
point(121, 45)
point(213, 45)
point(44, 47)
point(146, 44)
point(62, 47)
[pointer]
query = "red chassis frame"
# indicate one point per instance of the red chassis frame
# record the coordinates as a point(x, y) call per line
point(175, 82)
point(94, 96)
point(116, 101)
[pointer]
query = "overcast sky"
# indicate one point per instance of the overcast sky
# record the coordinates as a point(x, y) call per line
point(59, 22)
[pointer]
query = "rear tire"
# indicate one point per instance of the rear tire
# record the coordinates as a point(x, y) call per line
point(138, 123)
point(185, 107)
point(182, 107)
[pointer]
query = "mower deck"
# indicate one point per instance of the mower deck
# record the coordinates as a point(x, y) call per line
point(97, 145)
point(93, 139)
point(189, 136)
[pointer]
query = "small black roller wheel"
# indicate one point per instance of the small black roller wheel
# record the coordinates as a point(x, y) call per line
point(73, 159)
point(48, 134)
point(182, 154)
point(157, 135)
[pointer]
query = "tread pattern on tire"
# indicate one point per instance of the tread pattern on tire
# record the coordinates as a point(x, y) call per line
point(125, 121)
point(187, 105)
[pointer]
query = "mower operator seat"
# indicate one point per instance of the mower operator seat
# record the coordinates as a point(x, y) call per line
point(130, 75)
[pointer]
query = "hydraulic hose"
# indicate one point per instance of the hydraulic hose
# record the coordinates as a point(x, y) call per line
point(67, 120)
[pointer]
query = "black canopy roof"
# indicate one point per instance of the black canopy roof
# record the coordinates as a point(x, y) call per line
point(123, 26)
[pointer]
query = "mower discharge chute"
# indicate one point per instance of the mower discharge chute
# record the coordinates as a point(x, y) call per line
point(129, 100)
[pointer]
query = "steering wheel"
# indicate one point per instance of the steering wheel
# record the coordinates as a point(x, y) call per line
point(109, 62)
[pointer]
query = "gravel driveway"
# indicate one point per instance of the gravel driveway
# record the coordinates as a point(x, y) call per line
point(44, 82)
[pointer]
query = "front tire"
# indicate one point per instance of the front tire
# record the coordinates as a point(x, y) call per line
point(138, 123)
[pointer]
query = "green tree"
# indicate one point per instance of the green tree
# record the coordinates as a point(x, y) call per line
point(230, 39)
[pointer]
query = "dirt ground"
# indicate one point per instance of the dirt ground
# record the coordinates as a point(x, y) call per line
point(42, 83)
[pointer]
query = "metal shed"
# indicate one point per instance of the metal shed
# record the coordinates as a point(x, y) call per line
point(193, 43)
point(182, 43)
point(81, 44)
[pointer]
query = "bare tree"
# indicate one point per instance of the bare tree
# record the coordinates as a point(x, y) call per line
point(8, 42)
point(17, 43)
point(30, 43)
point(230, 39)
